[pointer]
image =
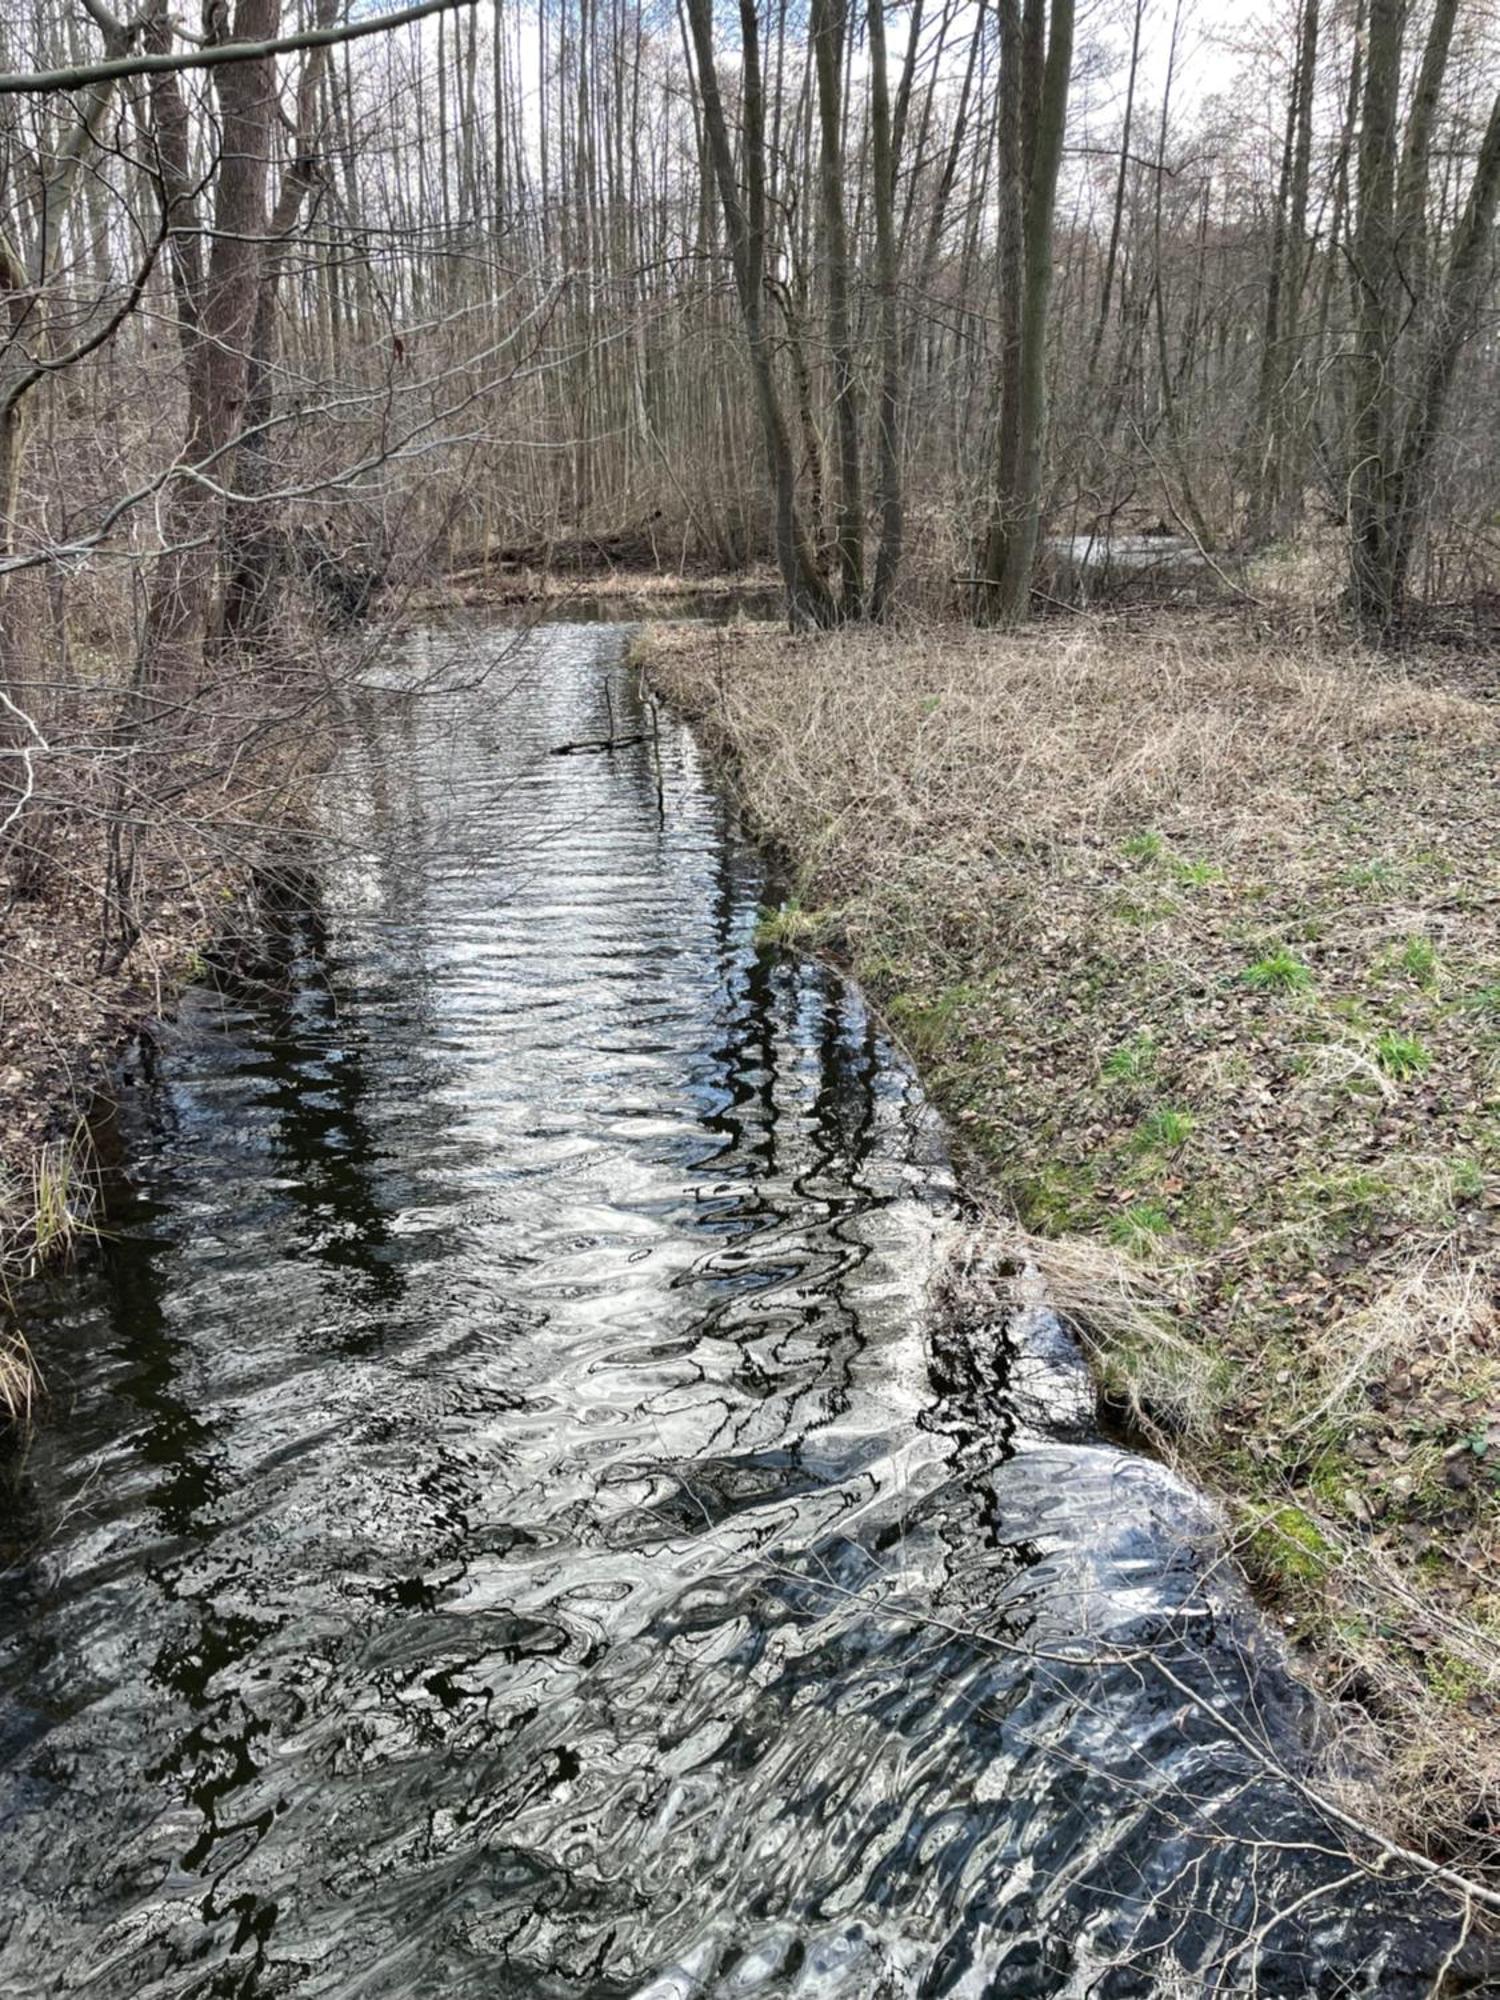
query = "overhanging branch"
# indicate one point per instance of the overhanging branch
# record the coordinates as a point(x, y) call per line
point(79, 76)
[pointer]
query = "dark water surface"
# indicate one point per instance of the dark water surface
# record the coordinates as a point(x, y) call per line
point(509, 1525)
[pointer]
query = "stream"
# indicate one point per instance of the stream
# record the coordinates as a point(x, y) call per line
point(511, 1521)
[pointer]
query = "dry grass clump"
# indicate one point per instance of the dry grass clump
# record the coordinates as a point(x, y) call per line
point(1431, 1315)
point(20, 1379)
point(46, 1205)
point(1195, 931)
point(1392, 1416)
point(1127, 1312)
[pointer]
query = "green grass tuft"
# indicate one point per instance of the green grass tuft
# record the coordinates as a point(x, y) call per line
point(1138, 1228)
point(1131, 1061)
point(1402, 1056)
point(1419, 960)
point(928, 1023)
point(789, 927)
point(1280, 971)
point(1372, 875)
point(1196, 874)
point(1164, 1131)
point(1468, 1178)
point(1143, 847)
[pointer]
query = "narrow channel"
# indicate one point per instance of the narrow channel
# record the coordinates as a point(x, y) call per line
point(511, 1519)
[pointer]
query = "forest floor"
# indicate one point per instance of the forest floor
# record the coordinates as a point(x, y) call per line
point(1193, 930)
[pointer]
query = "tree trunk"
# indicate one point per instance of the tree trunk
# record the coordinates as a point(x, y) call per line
point(1269, 476)
point(1411, 247)
point(1011, 278)
point(181, 588)
point(252, 534)
point(1112, 255)
point(1043, 98)
point(827, 27)
point(808, 599)
point(24, 279)
point(888, 414)
point(1371, 571)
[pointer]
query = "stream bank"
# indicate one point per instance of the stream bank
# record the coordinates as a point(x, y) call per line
point(204, 893)
point(1195, 937)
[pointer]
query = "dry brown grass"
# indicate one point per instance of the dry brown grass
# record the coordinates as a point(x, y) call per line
point(48, 1204)
point(1194, 928)
point(1064, 732)
point(1125, 1312)
point(20, 1378)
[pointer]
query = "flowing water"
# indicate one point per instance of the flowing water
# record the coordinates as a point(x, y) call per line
point(511, 1523)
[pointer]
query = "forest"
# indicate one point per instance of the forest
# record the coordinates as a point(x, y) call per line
point(876, 300)
point(1105, 394)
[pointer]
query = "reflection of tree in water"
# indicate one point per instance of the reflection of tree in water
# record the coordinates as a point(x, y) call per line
point(173, 1437)
point(313, 1053)
point(787, 1166)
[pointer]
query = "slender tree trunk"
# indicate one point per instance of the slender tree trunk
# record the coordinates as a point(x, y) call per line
point(1371, 569)
point(182, 585)
point(888, 413)
point(1283, 289)
point(1017, 515)
point(1335, 257)
point(1011, 279)
point(1289, 412)
point(827, 24)
point(24, 279)
point(1411, 245)
point(1112, 254)
point(808, 599)
point(252, 534)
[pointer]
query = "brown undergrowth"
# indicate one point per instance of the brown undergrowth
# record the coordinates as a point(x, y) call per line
point(1194, 930)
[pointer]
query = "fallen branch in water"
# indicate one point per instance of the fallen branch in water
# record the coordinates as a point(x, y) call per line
point(598, 743)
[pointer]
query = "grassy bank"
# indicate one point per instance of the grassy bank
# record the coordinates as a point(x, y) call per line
point(1195, 934)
